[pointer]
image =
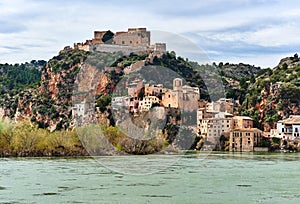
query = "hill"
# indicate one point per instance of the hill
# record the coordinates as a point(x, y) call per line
point(275, 94)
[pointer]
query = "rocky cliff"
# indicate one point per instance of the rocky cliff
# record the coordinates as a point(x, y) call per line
point(275, 94)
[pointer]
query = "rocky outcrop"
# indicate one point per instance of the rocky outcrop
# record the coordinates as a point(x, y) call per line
point(275, 95)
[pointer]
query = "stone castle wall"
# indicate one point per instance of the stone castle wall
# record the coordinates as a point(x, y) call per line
point(116, 48)
point(134, 37)
point(135, 40)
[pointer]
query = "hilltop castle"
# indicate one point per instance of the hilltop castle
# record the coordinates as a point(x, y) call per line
point(136, 40)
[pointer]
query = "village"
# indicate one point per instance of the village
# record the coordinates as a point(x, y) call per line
point(214, 119)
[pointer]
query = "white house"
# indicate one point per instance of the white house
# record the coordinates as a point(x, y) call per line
point(289, 128)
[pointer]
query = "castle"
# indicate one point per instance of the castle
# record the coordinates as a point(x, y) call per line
point(135, 40)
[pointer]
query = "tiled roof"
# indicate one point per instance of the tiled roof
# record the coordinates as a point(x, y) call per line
point(293, 119)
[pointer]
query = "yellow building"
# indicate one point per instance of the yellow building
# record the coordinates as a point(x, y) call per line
point(182, 97)
point(170, 99)
point(244, 139)
point(154, 90)
point(241, 122)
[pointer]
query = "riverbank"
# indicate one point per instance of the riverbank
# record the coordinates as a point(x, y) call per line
point(26, 140)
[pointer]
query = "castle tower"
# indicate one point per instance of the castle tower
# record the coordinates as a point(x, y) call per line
point(177, 84)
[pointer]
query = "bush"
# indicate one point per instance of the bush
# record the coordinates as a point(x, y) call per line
point(25, 139)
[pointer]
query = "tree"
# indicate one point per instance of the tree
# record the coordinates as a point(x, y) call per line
point(284, 66)
point(296, 58)
point(108, 37)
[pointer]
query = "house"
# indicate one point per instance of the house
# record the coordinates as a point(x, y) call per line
point(213, 128)
point(119, 102)
point(147, 102)
point(242, 122)
point(289, 128)
point(244, 139)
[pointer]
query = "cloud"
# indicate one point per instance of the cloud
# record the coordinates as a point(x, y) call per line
point(224, 29)
point(11, 27)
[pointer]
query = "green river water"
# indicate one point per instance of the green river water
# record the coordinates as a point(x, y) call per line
point(194, 178)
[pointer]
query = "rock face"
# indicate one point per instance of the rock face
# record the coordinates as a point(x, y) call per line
point(275, 95)
point(48, 103)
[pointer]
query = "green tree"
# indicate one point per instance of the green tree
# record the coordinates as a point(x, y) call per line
point(108, 37)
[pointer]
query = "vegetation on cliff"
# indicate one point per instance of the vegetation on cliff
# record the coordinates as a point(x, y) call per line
point(14, 78)
point(275, 94)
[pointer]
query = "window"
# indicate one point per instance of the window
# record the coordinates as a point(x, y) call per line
point(123, 42)
point(130, 42)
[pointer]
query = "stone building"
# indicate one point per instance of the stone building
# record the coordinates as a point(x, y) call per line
point(182, 97)
point(212, 128)
point(134, 37)
point(155, 90)
point(135, 40)
point(244, 139)
point(242, 122)
point(222, 105)
point(171, 99)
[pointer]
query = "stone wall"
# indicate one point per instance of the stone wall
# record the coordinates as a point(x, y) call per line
point(116, 48)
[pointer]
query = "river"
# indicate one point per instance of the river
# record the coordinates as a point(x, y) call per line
point(194, 178)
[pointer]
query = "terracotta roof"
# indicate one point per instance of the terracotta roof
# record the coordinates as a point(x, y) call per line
point(242, 117)
point(246, 130)
point(293, 119)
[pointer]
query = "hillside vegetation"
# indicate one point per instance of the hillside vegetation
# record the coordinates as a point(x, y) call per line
point(275, 94)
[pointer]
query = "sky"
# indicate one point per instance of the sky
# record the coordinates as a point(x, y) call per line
point(256, 32)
